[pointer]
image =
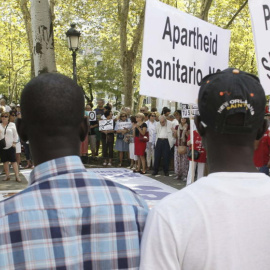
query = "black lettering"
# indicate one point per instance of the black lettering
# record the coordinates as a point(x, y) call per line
point(191, 33)
point(206, 43)
point(176, 35)
point(264, 63)
point(177, 70)
point(167, 31)
point(215, 45)
point(184, 37)
point(266, 13)
point(199, 73)
point(184, 75)
point(150, 61)
point(159, 69)
point(167, 64)
point(199, 39)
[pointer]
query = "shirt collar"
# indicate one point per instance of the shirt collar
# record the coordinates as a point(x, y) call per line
point(55, 167)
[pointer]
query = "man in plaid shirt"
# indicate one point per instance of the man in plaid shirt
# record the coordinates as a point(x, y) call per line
point(67, 218)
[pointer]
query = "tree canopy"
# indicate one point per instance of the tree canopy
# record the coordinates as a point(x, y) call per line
point(111, 41)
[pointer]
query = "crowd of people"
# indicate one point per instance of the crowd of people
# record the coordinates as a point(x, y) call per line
point(71, 218)
point(148, 139)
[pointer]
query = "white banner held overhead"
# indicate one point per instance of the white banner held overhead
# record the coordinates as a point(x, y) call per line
point(178, 51)
point(260, 18)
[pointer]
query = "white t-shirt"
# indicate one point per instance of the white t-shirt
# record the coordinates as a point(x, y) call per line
point(221, 222)
point(10, 136)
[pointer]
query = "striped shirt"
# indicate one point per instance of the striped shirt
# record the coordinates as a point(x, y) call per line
point(69, 218)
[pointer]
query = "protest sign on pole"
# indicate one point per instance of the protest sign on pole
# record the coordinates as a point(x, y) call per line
point(178, 51)
point(189, 110)
point(260, 18)
point(92, 116)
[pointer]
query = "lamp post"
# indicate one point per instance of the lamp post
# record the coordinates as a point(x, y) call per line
point(73, 37)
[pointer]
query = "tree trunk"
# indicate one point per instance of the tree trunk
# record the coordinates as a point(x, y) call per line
point(205, 6)
point(128, 56)
point(140, 103)
point(43, 42)
point(153, 102)
point(27, 21)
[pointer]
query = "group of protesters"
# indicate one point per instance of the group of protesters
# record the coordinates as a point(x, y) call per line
point(146, 139)
point(71, 218)
point(152, 137)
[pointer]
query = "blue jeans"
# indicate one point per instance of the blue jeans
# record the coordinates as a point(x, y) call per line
point(264, 169)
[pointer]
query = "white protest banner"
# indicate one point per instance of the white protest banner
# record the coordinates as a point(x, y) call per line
point(260, 18)
point(105, 125)
point(123, 125)
point(189, 110)
point(178, 51)
point(92, 116)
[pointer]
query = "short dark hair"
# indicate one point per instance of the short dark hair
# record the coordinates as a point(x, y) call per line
point(52, 101)
point(107, 113)
point(133, 119)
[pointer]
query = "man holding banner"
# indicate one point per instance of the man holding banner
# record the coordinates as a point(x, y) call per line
point(222, 221)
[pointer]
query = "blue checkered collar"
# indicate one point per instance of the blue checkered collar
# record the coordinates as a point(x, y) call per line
point(55, 167)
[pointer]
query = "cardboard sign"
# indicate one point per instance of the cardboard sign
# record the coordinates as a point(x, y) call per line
point(260, 18)
point(92, 116)
point(189, 110)
point(124, 125)
point(105, 125)
point(178, 51)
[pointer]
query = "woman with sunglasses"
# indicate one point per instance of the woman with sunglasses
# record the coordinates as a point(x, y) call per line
point(8, 154)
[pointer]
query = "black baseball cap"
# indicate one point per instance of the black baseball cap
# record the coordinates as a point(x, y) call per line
point(230, 92)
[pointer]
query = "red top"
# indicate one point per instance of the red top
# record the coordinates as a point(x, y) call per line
point(198, 146)
point(261, 154)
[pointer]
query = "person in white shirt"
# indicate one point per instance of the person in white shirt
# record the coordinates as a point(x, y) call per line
point(3, 104)
point(150, 146)
point(222, 221)
point(164, 143)
point(8, 153)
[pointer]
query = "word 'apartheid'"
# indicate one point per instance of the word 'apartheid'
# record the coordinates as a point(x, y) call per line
point(190, 38)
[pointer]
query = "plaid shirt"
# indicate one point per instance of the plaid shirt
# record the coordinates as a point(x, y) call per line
point(69, 218)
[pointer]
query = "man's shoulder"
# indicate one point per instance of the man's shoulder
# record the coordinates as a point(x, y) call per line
point(81, 190)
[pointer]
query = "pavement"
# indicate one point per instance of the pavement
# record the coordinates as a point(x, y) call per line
point(13, 185)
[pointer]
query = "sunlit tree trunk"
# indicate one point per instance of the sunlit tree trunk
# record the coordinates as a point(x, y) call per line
point(128, 55)
point(27, 22)
point(43, 42)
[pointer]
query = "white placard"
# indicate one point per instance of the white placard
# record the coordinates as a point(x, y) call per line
point(189, 110)
point(124, 125)
point(260, 17)
point(178, 51)
point(106, 125)
point(92, 116)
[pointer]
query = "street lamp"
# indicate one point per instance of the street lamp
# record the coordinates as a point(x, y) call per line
point(73, 37)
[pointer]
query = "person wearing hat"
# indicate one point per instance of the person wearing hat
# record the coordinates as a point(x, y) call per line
point(221, 221)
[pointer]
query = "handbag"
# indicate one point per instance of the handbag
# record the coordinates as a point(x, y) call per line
point(3, 141)
point(196, 154)
point(145, 137)
point(120, 136)
point(182, 149)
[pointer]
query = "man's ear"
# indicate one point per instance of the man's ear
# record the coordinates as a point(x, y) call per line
point(262, 129)
point(21, 129)
point(83, 129)
point(200, 127)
